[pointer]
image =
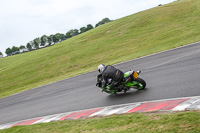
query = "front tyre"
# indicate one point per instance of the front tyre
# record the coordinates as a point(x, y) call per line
point(141, 83)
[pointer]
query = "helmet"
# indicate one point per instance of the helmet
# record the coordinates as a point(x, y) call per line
point(101, 67)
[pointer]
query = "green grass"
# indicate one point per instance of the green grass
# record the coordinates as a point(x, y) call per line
point(182, 122)
point(140, 34)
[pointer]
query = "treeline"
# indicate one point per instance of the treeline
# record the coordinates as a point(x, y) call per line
point(45, 40)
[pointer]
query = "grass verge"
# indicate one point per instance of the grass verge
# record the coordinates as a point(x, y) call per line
point(153, 122)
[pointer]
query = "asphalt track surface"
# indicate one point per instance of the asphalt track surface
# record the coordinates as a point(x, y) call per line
point(170, 74)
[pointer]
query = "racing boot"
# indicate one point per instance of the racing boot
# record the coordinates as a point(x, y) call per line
point(126, 89)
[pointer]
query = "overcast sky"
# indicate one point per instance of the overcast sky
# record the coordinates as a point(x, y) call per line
point(22, 21)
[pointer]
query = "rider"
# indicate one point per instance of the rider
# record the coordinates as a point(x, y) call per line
point(110, 72)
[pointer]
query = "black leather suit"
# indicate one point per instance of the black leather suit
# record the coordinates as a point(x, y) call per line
point(111, 72)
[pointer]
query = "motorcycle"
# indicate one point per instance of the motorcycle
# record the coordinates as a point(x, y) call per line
point(131, 80)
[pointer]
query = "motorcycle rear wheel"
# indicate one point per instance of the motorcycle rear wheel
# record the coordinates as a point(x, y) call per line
point(141, 83)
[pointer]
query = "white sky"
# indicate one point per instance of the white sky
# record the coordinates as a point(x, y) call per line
point(22, 21)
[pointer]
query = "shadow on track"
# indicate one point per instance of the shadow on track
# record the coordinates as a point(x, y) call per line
point(133, 93)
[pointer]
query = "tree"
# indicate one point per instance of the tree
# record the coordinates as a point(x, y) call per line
point(1, 55)
point(8, 51)
point(28, 46)
point(68, 34)
point(50, 39)
point(83, 29)
point(72, 33)
point(15, 50)
point(56, 37)
point(36, 43)
point(104, 21)
point(22, 48)
point(62, 37)
point(89, 27)
point(32, 44)
point(44, 40)
point(75, 32)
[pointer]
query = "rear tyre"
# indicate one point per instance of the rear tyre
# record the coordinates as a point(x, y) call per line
point(141, 84)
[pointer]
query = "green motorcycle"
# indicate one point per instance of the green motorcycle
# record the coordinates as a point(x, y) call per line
point(131, 80)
